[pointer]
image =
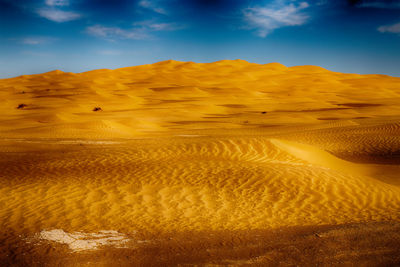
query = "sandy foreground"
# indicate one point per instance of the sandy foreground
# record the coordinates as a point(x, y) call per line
point(225, 163)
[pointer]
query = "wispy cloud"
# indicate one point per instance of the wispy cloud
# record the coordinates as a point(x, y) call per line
point(58, 15)
point(140, 30)
point(57, 2)
point(266, 19)
point(152, 5)
point(112, 33)
point(36, 40)
point(150, 25)
point(395, 28)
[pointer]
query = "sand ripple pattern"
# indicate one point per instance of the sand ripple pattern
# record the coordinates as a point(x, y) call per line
point(194, 183)
point(170, 97)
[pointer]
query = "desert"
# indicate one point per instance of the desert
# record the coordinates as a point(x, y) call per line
point(183, 163)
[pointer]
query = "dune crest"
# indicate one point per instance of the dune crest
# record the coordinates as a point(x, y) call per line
point(169, 97)
point(321, 157)
point(197, 183)
point(205, 150)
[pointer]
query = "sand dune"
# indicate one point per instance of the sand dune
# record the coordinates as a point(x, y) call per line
point(224, 94)
point(198, 184)
point(181, 147)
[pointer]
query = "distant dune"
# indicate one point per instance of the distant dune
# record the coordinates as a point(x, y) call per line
point(214, 153)
point(172, 96)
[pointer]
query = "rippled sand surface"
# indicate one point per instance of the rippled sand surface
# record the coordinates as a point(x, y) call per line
point(225, 163)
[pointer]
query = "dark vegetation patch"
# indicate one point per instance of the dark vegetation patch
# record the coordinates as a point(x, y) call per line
point(22, 106)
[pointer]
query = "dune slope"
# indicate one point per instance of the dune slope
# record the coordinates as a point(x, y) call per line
point(172, 96)
point(121, 157)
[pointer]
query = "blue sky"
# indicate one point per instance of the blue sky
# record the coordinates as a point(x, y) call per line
point(355, 36)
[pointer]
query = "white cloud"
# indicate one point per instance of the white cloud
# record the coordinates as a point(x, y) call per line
point(57, 2)
point(112, 33)
point(148, 4)
point(141, 30)
point(276, 15)
point(395, 28)
point(58, 15)
point(36, 40)
point(165, 26)
point(149, 25)
point(31, 41)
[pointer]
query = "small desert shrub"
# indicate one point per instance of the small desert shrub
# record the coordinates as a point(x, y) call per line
point(21, 106)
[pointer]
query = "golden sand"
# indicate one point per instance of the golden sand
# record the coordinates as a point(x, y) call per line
point(181, 147)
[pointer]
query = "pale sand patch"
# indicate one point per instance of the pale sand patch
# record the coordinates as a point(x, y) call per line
point(79, 241)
